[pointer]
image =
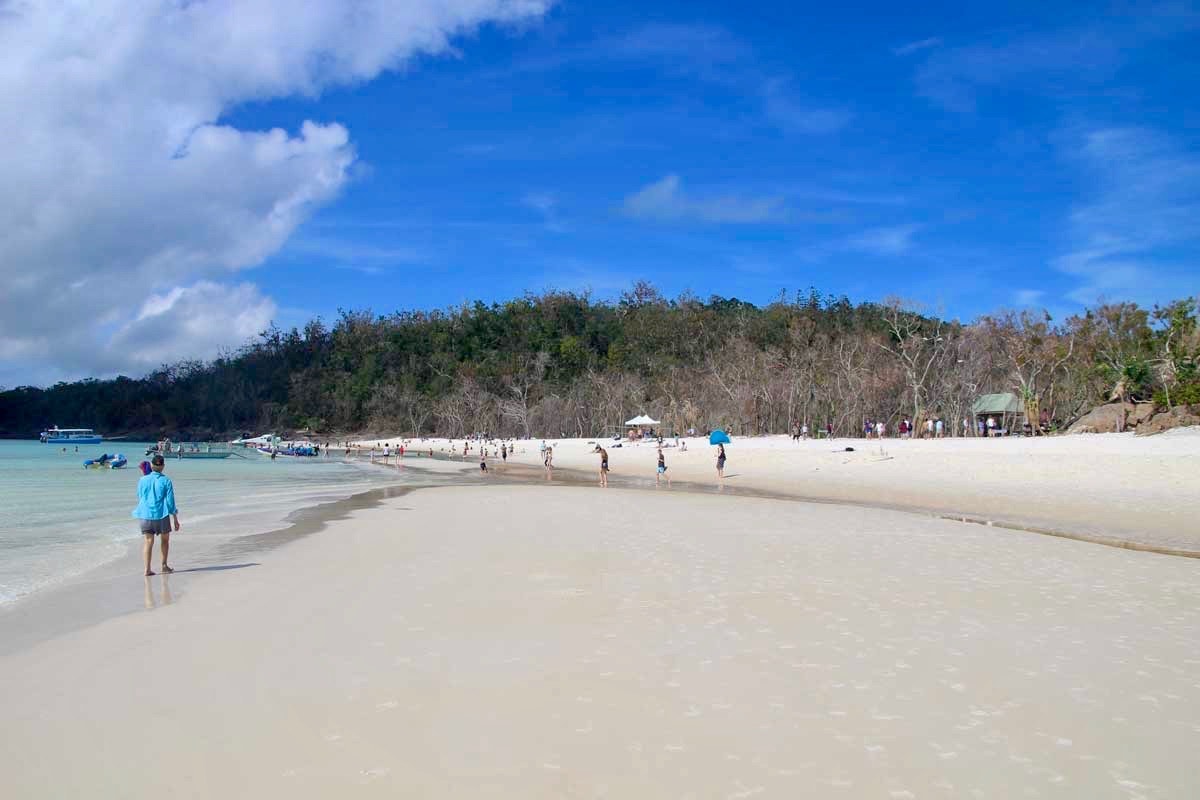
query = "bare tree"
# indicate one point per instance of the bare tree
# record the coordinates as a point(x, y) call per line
point(917, 343)
point(1034, 353)
point(523, 383)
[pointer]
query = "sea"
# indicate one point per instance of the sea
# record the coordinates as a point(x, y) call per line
point(59, 521)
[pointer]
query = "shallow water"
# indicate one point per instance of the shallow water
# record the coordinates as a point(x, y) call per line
point(59, 520)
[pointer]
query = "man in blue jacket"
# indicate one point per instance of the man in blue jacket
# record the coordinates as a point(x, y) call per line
point(156, 511)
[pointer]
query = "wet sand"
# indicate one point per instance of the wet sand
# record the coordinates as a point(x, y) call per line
point(527, 641)
point(1117, 489)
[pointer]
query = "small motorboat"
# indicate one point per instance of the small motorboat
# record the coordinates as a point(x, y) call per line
point(191, 450)
point(106, 461)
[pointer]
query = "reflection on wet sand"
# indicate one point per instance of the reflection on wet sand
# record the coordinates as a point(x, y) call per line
point(164, 592)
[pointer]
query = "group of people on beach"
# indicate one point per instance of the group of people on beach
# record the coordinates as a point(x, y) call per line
point(660, 471)
point(158, 514)
point(800, 431)
point(933, 428)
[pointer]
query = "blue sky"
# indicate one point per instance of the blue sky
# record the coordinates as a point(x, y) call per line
point(230, 165)
point(948, 158)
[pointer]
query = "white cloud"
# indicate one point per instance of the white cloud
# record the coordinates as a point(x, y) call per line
point(122, 182)
point(790, 114)
point(546, 204)
point(198, 319)
point(886, 241)
point(1024, 298)
point(1048, 62)
point(913, 47)
point(1127, 240)
point(665, 200)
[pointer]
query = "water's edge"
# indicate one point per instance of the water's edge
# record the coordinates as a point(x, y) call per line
point(110, 590)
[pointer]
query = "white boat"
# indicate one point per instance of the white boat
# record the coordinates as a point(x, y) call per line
point(57, 435)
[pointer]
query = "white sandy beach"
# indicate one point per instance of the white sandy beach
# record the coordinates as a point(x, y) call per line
point(1114, 487)
point(526, 641)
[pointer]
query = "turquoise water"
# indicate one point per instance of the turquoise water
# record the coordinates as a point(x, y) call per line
point(58, 520)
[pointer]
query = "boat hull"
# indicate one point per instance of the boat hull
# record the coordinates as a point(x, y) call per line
point(74, 440)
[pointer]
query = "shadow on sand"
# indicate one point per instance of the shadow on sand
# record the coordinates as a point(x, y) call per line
point(217, 567)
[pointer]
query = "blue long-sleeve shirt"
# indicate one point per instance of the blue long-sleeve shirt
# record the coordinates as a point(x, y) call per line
point(156, 497)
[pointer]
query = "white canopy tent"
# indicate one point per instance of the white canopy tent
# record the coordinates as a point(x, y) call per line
point(641, 420)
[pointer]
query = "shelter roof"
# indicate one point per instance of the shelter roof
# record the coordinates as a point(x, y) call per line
point(1001, 403)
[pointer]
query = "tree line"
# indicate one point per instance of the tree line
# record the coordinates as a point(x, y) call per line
point(564, 364)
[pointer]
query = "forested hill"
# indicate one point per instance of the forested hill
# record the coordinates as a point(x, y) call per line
point(563, 364)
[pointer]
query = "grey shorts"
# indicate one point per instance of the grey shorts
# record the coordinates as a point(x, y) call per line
point(153, 526)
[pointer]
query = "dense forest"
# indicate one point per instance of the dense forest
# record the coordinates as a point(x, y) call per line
point(565, 364)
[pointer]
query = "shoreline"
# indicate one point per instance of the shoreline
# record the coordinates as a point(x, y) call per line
point(108, 589)
point(635, 645)
point(1033, 524)
point(102, 592)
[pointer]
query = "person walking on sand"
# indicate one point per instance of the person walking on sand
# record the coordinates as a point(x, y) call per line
point(603, 465)
point(662, 469)
point(483, 461)
point(721, 462)
point(156, 512)
point(504, 453)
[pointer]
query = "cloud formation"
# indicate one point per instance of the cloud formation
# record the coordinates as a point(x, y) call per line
point(913, 47)
point(1144, 207)
point(892, 240)
point(125, 190)
point(203, 318)
point(791, 115)
point(665, 200)
point(1047, 62)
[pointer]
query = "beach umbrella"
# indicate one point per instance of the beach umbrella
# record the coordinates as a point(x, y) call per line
point(718, 437)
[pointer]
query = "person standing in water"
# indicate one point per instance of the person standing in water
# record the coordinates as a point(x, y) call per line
point(156, 511)
point(483, 461)
point(662, 469)
point(603, 465)
point(720, 462)
point(504, 452)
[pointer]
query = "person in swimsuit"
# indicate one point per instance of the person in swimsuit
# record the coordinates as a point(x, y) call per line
point(504, 453)
point(662, 469)
point(483, 460)
point(721, 462)
point(603, 465)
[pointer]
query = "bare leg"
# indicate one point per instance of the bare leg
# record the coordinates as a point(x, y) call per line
point(147, 551)
point(164, 544)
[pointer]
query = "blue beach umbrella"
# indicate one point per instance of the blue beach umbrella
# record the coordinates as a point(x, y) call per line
point(718, 437)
